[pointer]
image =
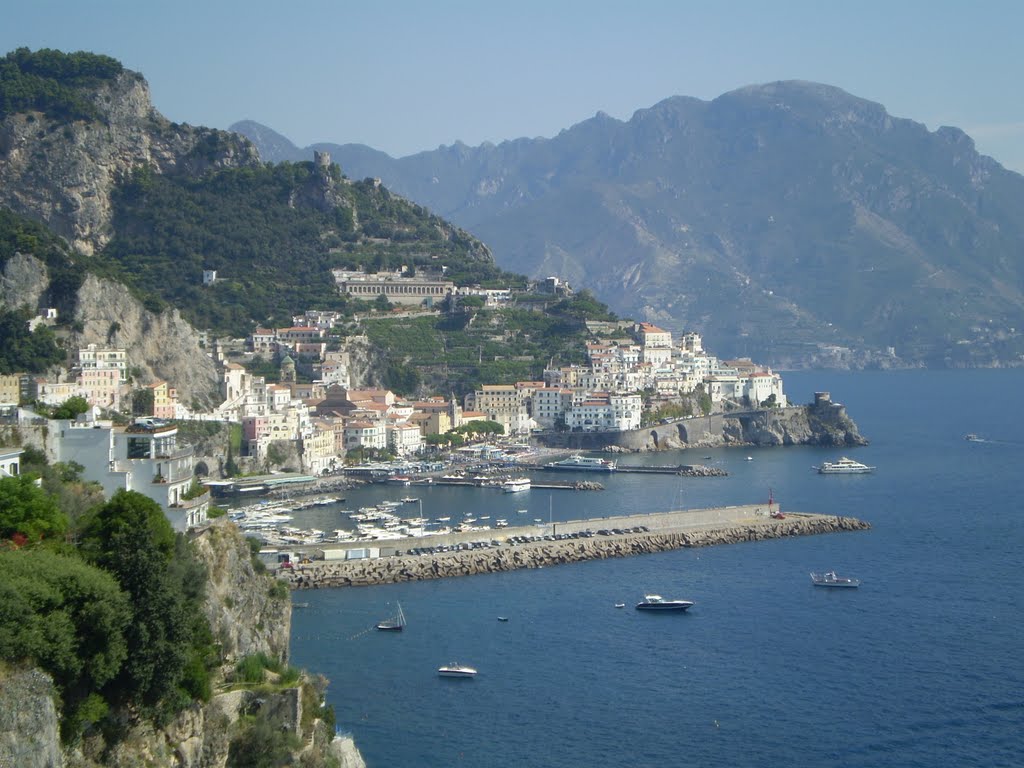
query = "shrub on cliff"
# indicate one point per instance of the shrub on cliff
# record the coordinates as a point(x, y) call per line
point(70, 619)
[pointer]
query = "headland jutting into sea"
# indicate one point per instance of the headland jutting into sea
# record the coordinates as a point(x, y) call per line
point(538, 546)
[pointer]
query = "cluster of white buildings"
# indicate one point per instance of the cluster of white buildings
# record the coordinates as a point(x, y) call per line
point(604, 395)
point(323, 422)
point(99, 375)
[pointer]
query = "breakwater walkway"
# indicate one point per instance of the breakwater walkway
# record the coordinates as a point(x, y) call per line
point(670, 530)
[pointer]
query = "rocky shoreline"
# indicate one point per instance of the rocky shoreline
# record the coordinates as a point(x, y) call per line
point(390, 570)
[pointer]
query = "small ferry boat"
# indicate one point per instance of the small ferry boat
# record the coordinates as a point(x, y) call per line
point(659, 603)
point(830, 579)
point(456, 670)
point(844, 466)
point(516, 485)
point(583, 464)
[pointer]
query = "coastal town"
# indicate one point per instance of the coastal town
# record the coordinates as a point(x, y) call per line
point(313, 422)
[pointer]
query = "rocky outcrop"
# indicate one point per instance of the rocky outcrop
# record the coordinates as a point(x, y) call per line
point(822, 423)
point(158, 346)
point(246, 614)
point(23, 281)
point(29, 734)
point(388, 570)
point(63, 174)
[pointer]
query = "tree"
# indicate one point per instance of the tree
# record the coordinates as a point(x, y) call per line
point(142, 402)
point(24, 350)
point(27, 512)
point(71, 408)
point(130, 538)
point(69, 618)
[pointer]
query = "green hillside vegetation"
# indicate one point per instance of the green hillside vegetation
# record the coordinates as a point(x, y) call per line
point(115, 619)
point(52, 82)
point(273, 238)
point(459, 351)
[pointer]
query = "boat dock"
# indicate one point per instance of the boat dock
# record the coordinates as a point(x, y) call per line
point(549, 486)
point(688, 470)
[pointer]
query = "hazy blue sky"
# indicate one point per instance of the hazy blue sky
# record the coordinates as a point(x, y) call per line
point(407, 76)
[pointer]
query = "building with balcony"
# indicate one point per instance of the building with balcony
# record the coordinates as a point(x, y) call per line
point(142, 457)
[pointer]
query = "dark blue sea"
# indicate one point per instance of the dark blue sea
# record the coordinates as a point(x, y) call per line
point(922, 666)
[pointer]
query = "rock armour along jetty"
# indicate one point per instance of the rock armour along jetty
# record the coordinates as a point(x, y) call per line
point(389, 570)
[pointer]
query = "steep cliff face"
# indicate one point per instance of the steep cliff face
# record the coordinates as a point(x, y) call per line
point(29, 734)
point(63, 174)
point(158, 346)
point(23, 281)
point(161, 346)
point(247, 614)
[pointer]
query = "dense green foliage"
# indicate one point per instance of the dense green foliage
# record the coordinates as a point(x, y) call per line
point(25, 351)
point(480, 427)
point(68, 617)
point(168, 638)
point(273, 233)
point(70, 408)
point(53, 82)
point(28, 513)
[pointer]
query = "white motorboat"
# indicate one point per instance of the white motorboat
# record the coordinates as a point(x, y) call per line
point(659, 603)
point(844, 466)
point(830, 579)
point(516, 485)
point(456, 670)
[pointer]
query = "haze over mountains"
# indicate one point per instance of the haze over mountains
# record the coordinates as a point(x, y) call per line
point(784, 221)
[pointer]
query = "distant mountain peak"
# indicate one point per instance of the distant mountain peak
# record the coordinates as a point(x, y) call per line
point(790, 220)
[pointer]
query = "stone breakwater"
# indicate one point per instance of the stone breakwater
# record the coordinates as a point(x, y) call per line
point(506, 557)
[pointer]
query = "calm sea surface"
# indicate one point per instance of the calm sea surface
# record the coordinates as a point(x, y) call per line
point(922, 666)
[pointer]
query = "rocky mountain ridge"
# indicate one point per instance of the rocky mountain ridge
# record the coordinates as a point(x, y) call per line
point(789, 221)
point(63, 174)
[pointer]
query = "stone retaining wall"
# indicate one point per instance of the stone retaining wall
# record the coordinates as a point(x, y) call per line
point(389, 570)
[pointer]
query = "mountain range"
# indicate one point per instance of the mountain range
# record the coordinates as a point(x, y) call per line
point(791, 222)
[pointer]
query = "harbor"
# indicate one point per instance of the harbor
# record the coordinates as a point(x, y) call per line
point(549, 544)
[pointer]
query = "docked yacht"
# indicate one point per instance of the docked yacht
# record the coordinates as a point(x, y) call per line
point(583, 464)
point(516, 485)
point(844, 466)
point(659, 603)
